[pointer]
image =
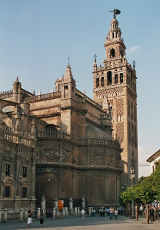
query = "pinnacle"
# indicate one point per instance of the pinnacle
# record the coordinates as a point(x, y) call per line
point(68, 73)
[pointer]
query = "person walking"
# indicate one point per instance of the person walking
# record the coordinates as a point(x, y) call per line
point(29, 220)
point(41, 217)
point(116, 214)
point(111, 211)
point(82, 213)
point(151, 214)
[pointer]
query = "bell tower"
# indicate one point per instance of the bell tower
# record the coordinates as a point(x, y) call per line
point(116, 82)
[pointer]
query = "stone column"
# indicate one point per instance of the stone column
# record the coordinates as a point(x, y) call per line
point(83, 203)
point(5, 215)
point(26, 213)
point(71, 205)
point(89, 211)
point(1, 218)
point(43, 204)
point(33, 200)
point(38, 213)
point(21, 211)
point(54, 213)
point(63, 211)
point(56, 204)
point(76, 211)
point(66, 211)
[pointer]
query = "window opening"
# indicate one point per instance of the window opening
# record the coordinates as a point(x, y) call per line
point(121, 77)
point(116, 79)
point(24, 171)
point(7, 191)
point(24, 192)
point(97, 82)
point(112, 53)
point(102, 81)
point(109, 78)
point(8, 170)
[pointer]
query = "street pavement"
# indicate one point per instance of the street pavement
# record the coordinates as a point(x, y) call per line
point(78, 223)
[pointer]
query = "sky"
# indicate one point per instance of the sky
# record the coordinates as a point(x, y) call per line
point(37, 36)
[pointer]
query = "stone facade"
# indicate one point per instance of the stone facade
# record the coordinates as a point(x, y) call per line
point(57, 145)
point(61, 145)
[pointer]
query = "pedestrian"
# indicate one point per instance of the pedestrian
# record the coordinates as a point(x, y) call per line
point(94, 212)
point(111, 211)
point(141, 210)
point(116, 214)
point(151, 214)
point(29, 220)
point(137, 212)
point(41, 217)
point(107, 211)
point(82, 213)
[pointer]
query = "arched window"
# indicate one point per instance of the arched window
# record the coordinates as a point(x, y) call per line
point(51, 130)
point(65, 90)
point(102, 81)
point(116, 79)
point(121, 77)
point(109, 78)
point(112, 52)
point(97, 82)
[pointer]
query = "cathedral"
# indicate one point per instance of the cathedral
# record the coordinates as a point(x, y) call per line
point(65, 145)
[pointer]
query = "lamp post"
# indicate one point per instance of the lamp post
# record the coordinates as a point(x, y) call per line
point(132, 177)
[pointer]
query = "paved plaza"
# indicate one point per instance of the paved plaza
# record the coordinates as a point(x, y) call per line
point(77, 223)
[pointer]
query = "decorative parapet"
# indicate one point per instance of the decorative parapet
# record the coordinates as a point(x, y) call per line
point(42, 97)
point(7, 94)
point(16, 138)
point(79, 141)
point(58, 135)
point(116, 63)
point(97, 141)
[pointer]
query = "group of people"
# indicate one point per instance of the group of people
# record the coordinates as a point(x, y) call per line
point(153, 213)
point(110, 212)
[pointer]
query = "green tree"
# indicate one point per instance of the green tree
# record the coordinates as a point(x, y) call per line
point(145, 191)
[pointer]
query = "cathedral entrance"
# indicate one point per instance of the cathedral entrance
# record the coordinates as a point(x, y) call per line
point(46, 187)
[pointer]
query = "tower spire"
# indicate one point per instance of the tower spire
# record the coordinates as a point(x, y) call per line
point(114, 44)
point(95, 58)
point(68, 61)
point(114, 31)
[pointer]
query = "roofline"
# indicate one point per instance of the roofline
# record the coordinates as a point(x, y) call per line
point(154, 156)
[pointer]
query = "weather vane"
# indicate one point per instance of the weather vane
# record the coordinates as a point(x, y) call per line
point(68, 60)
point(115, 12)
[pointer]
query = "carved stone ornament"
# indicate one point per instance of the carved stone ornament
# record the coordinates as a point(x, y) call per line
point(52, 155)
point(110, 92)
point(62, 155)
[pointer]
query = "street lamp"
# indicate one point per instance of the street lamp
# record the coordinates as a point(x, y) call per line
point(132, 177)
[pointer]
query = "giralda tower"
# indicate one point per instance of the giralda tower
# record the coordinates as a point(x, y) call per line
point(115, 87)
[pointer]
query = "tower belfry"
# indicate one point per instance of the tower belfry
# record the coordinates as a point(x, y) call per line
point(116, 81)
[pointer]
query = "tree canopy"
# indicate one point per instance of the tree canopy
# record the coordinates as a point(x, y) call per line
point(145, 191)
